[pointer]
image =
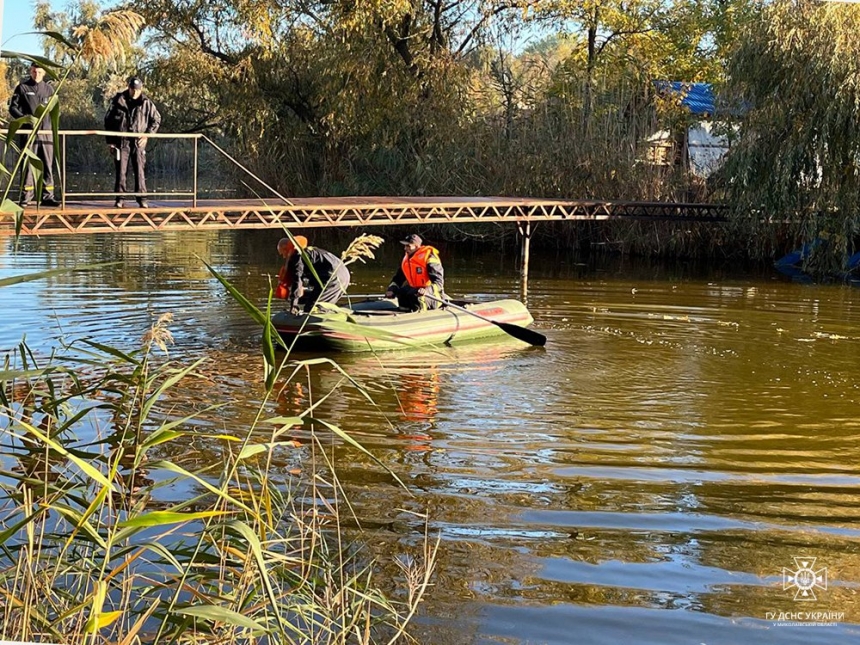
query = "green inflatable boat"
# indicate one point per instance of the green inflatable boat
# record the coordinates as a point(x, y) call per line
point(377, 325)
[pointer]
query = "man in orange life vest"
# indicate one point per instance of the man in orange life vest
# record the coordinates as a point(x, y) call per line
point(298, 286)
point(420, 273)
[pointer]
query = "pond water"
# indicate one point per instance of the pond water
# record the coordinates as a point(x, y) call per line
point(686, 442)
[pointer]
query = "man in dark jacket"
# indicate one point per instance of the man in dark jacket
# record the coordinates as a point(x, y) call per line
point(298, 284)
point(26, 99)
point(131, 111)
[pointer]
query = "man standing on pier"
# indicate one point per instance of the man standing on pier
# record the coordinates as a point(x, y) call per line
point(26, 100)
point(131, 111)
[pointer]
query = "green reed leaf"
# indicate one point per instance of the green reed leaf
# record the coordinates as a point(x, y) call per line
point(238, 296)
point(112, 351)
point(10, 375)
point(261, 318)
point(345, 436)
point(12, 530)
point(30, 277)
point(89, 470)
point(79, 521)
point(179, 470)
point(285, 421)
point(13, 208)
point(166, 385)
point(163, 518)
point(268, 346)
point(257, 550)
point(166, 433)
point(45, 63)
point(220, 614)
point(257, 448)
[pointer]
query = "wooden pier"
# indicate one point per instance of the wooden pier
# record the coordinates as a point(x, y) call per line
point(319, 212)
point(184, 211)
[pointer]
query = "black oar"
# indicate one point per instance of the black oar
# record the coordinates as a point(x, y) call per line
point(520, 333)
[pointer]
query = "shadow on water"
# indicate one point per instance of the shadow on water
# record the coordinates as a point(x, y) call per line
point(654, 471)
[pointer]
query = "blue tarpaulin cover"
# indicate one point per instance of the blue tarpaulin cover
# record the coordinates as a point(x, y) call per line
point(697, 97)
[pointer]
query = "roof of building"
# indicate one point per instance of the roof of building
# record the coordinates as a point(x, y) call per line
point(696, 97)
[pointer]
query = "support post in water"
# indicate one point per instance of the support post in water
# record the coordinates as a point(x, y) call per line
point(526, 233)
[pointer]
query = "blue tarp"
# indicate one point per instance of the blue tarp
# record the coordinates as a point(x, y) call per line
point(697, 97)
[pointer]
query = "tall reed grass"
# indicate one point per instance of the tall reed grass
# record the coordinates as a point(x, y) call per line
point(94, 547)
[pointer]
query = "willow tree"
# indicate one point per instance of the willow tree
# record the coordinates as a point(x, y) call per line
point(312, 92)
point(576, 108)
point(797, 72)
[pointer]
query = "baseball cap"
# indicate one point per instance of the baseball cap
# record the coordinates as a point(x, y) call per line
point(412, 239)
point(135, 83)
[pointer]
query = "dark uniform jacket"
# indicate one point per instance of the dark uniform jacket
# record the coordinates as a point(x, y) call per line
point(331, 270)
point(129, 115)
point(28, 96)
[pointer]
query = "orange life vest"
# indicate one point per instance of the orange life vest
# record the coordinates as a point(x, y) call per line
point(415, 266)
point(284, 280)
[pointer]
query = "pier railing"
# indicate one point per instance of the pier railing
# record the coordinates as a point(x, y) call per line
point(193, 136)
point(65, 134)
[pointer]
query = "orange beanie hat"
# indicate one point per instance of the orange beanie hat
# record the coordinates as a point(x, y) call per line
point(301, 240)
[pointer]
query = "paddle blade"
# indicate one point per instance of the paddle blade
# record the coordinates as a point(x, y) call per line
point(521, 333)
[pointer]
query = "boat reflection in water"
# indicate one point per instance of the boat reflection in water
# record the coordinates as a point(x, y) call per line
point(402, 392)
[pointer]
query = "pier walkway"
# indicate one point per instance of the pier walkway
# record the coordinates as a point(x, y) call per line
point(200, 214)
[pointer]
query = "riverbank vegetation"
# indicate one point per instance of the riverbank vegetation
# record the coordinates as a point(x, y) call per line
point(113, 530)
point(546, 98)
point(797, 64)
point(110, 535)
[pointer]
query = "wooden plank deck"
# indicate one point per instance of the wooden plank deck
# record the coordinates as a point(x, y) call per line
point(165, 214)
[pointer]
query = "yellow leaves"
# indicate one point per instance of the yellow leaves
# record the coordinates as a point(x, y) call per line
point(99, 619)
point(105, 619)
point(258, 21)
point(110, 37)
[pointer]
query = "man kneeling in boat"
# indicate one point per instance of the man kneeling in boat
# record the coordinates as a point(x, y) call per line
point(298, 285)
point(420, 274)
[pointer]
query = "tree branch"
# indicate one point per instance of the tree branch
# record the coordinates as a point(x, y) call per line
point(207, 49)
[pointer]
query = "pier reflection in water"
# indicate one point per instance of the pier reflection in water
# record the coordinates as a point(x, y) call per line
point(648, 476)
